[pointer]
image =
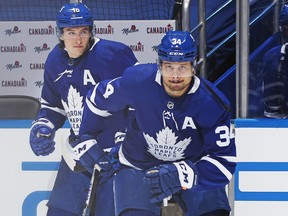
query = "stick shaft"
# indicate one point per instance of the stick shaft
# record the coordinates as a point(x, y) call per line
point(90, 200)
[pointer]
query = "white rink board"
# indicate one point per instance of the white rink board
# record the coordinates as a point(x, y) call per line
point(21, 189)
point(260, 179)
point(24, 47)
point(262, 172)
point(263, 208)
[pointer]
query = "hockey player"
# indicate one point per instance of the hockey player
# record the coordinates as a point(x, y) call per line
point(73, 67)
point(276, 82)
point(257, 63)
point(178, 142)
point(283, 23)
point(275, 76)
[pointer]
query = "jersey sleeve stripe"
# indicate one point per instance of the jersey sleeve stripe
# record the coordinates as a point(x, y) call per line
point(102, 113)
point(219, 166)
point(55, 109)
point(229, 158)
point(124, 161)
point(93, 94)
point(45, 122)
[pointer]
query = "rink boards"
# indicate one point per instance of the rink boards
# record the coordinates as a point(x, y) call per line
point(262, 171)
point(260, 180)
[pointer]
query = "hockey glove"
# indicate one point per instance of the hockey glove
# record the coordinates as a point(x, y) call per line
point(90, 153)
point(167, 179)
point(115, 165)
point(42, 137)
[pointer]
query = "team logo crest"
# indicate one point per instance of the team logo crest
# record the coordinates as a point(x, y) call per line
point(74, 108)
point(166, 147)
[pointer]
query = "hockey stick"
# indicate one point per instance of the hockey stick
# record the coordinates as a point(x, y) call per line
point(91, 195)
point(67, 154)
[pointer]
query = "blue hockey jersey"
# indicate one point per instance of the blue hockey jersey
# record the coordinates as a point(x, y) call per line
point(66, 82)
point(163, 129)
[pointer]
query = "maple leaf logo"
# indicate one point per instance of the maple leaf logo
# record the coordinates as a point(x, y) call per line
point(74, 108)
point(166, 147)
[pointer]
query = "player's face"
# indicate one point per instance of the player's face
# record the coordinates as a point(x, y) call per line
point(76, 40)
point(176, 77)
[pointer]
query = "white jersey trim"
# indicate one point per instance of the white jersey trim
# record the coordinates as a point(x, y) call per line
point(55, 109)
point(43, 121)
point(124, 161)
point(103, 113)
point(219, 166)
point(158, 77)
point(195, 85)
point(230, 158)
point(93, 95)
point(95, 42)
